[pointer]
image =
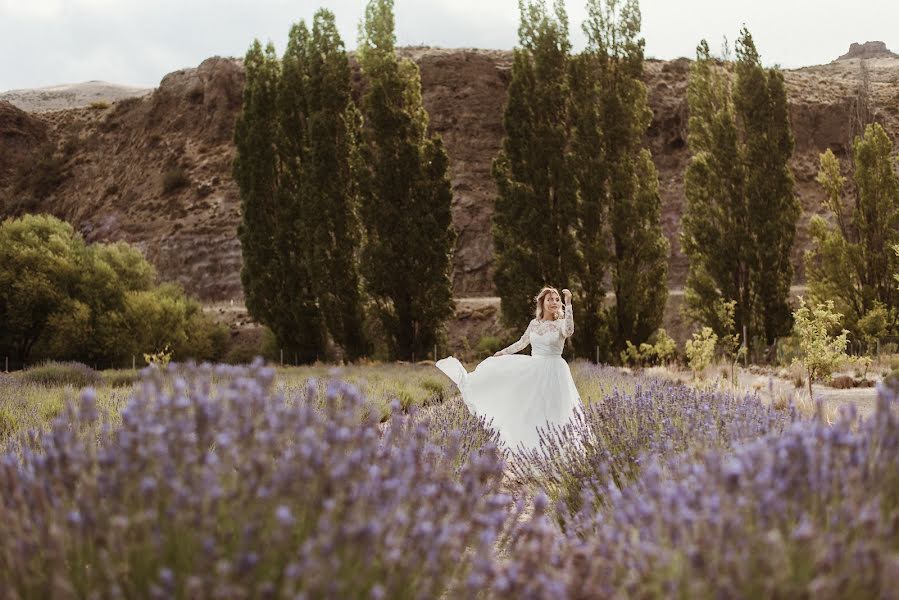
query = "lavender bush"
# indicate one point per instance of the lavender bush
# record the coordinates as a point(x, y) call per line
point(612, 439)
point(811, 512)
point(223, 482)
point(234, 491)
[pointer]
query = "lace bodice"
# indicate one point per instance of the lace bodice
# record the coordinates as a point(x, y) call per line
point(547, 338)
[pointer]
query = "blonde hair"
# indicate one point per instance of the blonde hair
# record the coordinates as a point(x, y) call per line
point(538, 313)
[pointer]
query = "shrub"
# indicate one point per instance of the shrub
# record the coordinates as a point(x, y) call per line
point(174, 179)
point(617, 437)
point(121, 377)
point(821, 352)
point(98, 105)
point(700, 350)
point(437, 390)
point(205, 490)
point(488, 345)
point(75, 374)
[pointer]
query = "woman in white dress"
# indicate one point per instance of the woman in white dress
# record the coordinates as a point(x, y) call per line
point(521, 393)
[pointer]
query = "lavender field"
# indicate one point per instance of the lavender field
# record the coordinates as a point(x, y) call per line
point(375, 482)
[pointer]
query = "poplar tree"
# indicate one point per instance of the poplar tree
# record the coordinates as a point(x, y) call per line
point(332, 229)
point(760, 102)
point(535, 213)
point(850, 261)
point(629, 180)
point(277, 289)
point(406, 196)
point(740, 219)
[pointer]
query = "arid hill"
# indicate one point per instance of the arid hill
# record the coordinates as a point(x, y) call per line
point(155, 169)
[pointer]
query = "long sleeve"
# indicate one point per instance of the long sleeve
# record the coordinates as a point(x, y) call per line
point(568, 327)
point(520, 344)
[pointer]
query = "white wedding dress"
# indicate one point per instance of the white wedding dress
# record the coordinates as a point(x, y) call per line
point(520, 393)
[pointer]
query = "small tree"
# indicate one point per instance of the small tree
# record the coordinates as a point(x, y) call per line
point(821, 352)
point(700, 350)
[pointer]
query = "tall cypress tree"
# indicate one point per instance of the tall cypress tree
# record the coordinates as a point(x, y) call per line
point(297, 144)
point(406, 196)
point(740, 221)
point(535, 209)
point(332, 223)
point(639, 249)
point(275, 289)
point(715, 232)
point(760, 102)
point(301, 325)
point(590, 171)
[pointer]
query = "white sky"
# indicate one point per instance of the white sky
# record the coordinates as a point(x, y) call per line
point(136, 42)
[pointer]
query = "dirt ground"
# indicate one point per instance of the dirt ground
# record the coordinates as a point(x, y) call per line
point(773, 386)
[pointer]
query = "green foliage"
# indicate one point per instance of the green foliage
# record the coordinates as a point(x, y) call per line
point(160, 358)
point(62, 299)
point(406, 197)
point(578, 194)
point(630, 185)
point(533, 239)
point(822, 352)
point(700, 350)
point(329, 181)
point(664, 346)
point(847, 262)
point(488, 345)
point(875, 325)
point(40, 260)
point(659, 349)
point(740, 219)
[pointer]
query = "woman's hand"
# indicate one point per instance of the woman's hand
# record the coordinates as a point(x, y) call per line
point(566, 293)
point(497, 353)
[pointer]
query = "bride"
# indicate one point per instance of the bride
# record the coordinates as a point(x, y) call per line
point(523, 393)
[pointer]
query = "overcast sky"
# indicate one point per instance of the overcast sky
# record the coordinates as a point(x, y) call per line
point(136, 42)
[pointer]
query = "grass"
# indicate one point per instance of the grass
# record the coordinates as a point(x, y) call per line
point(30, 399)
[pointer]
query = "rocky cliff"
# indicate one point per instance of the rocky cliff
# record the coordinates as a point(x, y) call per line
point(155, 169)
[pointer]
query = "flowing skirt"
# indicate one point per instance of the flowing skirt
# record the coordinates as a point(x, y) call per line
point(518, 393)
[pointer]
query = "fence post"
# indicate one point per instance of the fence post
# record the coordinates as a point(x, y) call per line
point(7, 364)
point(282, 357)
point(746, 344)
point(435, 352)
point(597, 354)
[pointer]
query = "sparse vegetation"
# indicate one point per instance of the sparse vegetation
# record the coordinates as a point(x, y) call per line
point(174, 179)
point(822, 352)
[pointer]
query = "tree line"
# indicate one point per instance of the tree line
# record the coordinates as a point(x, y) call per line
point(347, 234)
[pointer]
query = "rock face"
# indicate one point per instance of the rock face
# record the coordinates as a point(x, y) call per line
point(155, 170)
point(868, 50)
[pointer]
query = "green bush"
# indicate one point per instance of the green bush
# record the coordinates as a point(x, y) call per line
point(700, 350)
point(100, 304)
point(436, 389)
point(75, 374)
point(488, 345)
point(121, 377)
